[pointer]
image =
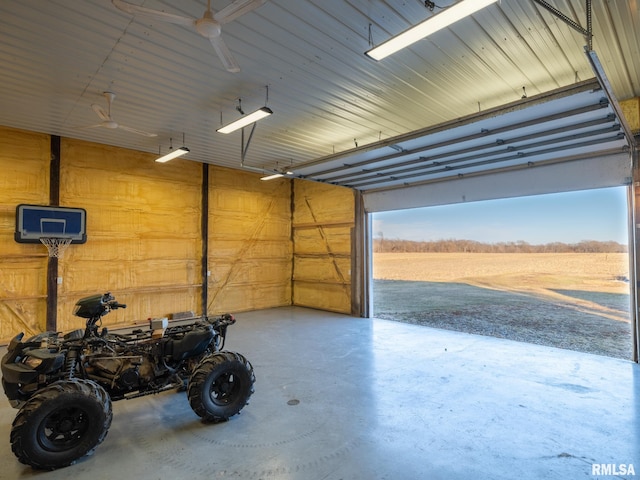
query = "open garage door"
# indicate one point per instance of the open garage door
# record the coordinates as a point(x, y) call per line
point(545, 269)
point(572, 138)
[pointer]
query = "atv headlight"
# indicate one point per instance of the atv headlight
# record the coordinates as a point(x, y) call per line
point(32, 362)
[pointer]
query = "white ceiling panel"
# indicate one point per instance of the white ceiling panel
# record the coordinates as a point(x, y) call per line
point(59, 56)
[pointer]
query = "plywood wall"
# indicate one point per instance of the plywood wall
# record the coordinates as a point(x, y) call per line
point(250, 245)
point(24, 178)
point(323, 223)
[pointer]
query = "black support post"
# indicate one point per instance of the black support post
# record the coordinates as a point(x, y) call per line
point(205, 237)
point(52, 265)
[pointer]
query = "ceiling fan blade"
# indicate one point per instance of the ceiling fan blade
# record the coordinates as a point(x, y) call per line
point(101, 112)
point(225, 54)
point(88, 126)
point(153, 14)
point(236, 9)
point(139, 132)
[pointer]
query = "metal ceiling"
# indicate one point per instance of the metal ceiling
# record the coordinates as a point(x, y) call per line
point(59, 56)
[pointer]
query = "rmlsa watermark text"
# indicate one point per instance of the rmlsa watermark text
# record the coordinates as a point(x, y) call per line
point(612, 469)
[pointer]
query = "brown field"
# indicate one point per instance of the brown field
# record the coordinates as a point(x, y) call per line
point(591, 271)
point(577, 301)
point(535, 274)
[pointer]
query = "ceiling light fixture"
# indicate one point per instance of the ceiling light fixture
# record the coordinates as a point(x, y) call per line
point(273, 177)
point(246, 120)
point(431, 25)
point(277, 175)
point(178, 152)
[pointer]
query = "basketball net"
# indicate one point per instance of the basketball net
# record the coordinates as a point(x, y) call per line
point(56, 245)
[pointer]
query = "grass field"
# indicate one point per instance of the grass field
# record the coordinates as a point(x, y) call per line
point(568, 300)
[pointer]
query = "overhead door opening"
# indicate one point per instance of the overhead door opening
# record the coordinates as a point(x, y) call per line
point(568, 140)
point(547, 269)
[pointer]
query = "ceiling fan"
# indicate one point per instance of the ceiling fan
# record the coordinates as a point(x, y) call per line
point(209, 26)
point(108, 121)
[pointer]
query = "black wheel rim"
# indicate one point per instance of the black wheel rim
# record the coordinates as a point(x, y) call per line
point(63, 429)
point(225, 388)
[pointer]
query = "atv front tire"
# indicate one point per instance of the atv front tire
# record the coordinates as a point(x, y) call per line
point(61, 423)
point(220, 386)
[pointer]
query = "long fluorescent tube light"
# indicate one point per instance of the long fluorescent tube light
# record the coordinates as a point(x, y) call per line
point(431, 25)
point(173, 154)
point(272, 177)
point(246, 120)
point(277, 175)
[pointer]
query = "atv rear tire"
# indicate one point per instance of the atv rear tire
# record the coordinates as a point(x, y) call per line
point(220, 386)
point(61, 423)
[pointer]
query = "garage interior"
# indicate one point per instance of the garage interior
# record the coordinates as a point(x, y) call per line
point(521, 98)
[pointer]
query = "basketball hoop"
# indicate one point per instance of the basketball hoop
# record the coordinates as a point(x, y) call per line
point(54, 226)
point(56, 245)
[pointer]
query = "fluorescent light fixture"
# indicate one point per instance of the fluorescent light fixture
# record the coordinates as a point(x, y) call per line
point(246, 120)
point(277, 175)
point(272, 177)
point(431, 25)
point(178, 152)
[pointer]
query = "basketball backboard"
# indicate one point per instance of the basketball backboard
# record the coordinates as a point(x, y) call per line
point(34, 222)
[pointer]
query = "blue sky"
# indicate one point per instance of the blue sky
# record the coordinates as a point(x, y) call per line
point(562, 217)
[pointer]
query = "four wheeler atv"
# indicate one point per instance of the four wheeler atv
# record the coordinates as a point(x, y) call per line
point(64, 385)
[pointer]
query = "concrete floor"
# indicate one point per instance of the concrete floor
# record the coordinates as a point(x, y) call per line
point(349, 398)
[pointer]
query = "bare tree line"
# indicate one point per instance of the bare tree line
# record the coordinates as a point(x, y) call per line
point(383, 245)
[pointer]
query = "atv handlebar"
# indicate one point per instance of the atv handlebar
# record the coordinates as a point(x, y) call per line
point(111, 303)
point(222, 320)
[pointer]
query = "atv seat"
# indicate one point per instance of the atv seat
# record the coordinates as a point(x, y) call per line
point(190, 345)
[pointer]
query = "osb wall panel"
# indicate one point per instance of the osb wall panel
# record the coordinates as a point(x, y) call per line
point(24, 178)
point(143, 233)
point(323, 222)
point(249, 242)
